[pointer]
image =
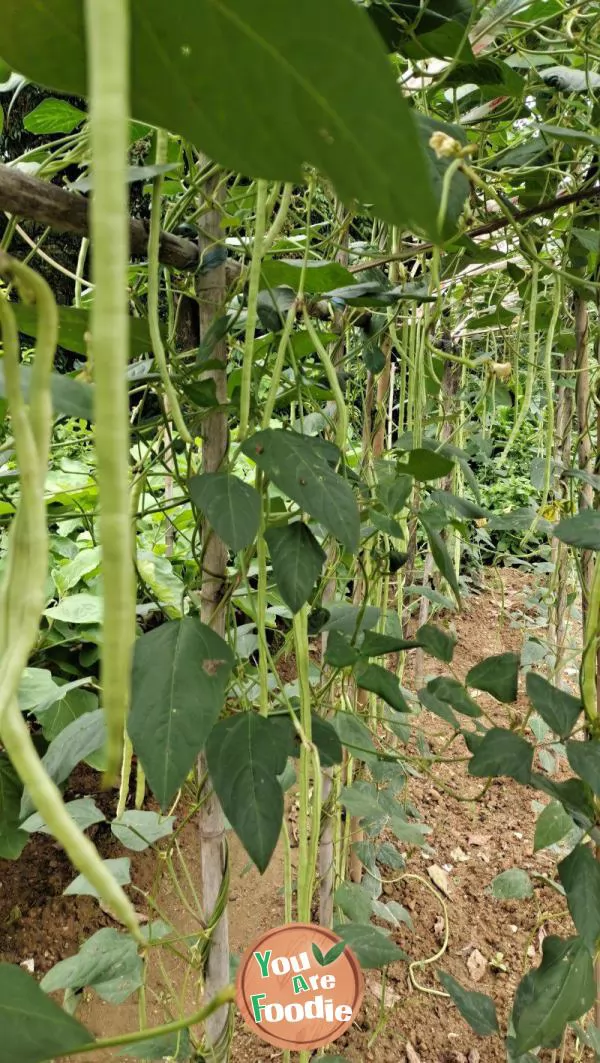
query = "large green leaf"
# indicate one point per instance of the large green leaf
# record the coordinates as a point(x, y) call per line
point(77, 609)
point(12, 839)
point(557, 708)
point(297, 466)
point(340, 653)
point(579, 874)
point(498, 676)
point(232, 507)
point(478, 1009)
point(424, 464)
point(440, 644)
point(251, 91)
point(354, 901)
point(502, 752)
point(70, 398)
point(560, 990)
point(74, 326)
point(33, 1027)
point(574, 795)
point(584, 758)
point(71, 706)
point(137, 829)
point(297, 559)
point(180, 674)
point(445, 688)
point(107, 962)
point(53, 116)
point(318, 276)
point(377, 644)
point(552, 825)
point(379, 681)
point(438, 28)
point(581, 530)
point(355, 736)
point(245, 755)
point(440, 553)
point(369, 944)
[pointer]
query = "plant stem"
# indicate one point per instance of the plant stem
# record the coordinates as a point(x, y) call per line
point(253, 290)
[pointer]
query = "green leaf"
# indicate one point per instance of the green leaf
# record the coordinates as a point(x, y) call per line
point(502, 752)
point(498, 676)
point(445, 688)
point(557, 708)
point(394, 494)
point(369, 944)
point(393, 913)
point(138, 829)
point(439, 644)
point(340, 653)
point(439, 28)
point(574, 795)
point(84, 811)
point(245, 755)
point(174, 1047)
point(37, 687)
point(34, 1028)
point(354, 901)
point(107, 962)
point(462, 506)
point(426, 465)
point(253, 64)
point(379, 681)
point(318, 276)
point(180, 674)
point(324, 737)
point(552, 825)
point(159, 577)
point(584, 758)
point(570, 136)
point(231, 506)
point(77, 609)
point(513, 884)
point(486, 73)
point(478, 1009)
point(12, 839)
point(74, 326)
point(65, 710)
point(53, 116)
point(355, 736)
point(440, 553)
point(582, 530)
point(78, 740)
point(579, 874)
point(297, 559)
point(296, 465)
point(439, 707)
point(350, 619)
point(83, 564)
point(560, 990)
point(119, 868)
point(589, 238)
point(376, 644)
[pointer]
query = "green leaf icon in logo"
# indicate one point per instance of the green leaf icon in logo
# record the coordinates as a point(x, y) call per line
point(329, 957)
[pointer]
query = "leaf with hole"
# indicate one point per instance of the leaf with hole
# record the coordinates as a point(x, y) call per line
point(180, 674)
point(559, 709)
point(560, 990)
point(502, 753)
point(319, 114)
point(297, 559)
point(478, 1009)
point(231, 506)
point(296, 465)
point(245, 755)
point(498, 676)
point(34, 1028)
point(107, 962)
point(579, 874)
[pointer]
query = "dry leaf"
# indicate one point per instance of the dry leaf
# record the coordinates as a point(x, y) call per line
point(411, 1055)
point(390, 997)
point(439, 877)
point(439, 929)
point(477, 965)
point(459, 856)
point(473, 1056)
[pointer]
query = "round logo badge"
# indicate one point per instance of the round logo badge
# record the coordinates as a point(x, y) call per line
point(299, 987)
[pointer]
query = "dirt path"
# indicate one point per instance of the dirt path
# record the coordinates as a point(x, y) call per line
point(489, 943)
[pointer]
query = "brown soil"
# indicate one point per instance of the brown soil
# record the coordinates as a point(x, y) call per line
point(472, 840)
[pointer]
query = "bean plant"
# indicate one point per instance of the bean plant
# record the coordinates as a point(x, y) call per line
point(328, 346)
